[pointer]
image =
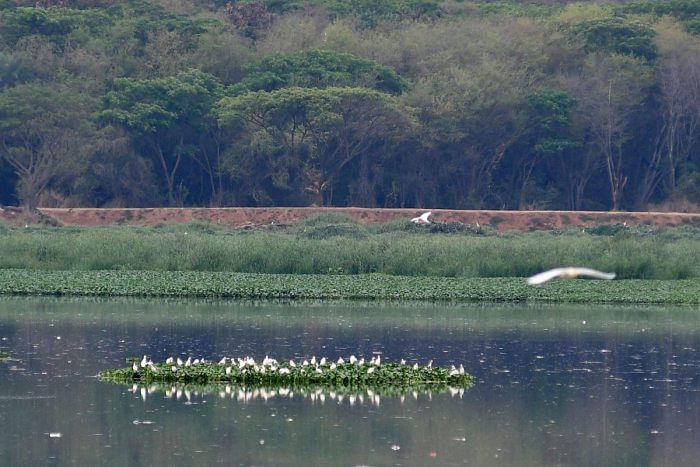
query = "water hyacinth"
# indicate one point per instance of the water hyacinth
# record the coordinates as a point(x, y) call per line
point(314, 372)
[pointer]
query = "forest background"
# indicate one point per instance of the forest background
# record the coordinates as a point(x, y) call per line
point(394, 103)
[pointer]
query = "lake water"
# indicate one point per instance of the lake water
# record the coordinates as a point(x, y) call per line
point(556, 385)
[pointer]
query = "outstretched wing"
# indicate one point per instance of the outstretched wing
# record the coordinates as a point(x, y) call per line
point(595, 273)
point(545, 276)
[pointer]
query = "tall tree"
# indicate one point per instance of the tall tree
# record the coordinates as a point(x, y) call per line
point(612, 91)
point(167, 116)
point(678, 77)
point(42, 130)
point(321, 129)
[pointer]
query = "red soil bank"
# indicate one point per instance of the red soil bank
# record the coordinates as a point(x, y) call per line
point(260, 217)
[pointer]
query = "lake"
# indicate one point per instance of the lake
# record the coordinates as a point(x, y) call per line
point(555, 384)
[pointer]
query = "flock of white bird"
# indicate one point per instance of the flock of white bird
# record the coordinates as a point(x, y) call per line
point(571, 272)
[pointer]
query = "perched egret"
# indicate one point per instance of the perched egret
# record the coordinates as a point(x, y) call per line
point(422, 219)
point(568, 273)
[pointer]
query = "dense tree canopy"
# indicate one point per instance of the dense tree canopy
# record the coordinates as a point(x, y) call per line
point(455, 104)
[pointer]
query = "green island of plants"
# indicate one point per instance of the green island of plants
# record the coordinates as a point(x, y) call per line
point(351, 374)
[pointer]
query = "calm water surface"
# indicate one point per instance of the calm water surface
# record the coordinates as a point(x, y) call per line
point(557, 385)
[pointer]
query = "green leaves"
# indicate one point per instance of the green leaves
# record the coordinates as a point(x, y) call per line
point(355, 287)
point(319, 68)
point(146, 106)
point(616, 35)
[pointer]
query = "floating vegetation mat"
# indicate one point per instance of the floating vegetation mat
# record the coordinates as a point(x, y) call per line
point(353, 287)
point(351, 374)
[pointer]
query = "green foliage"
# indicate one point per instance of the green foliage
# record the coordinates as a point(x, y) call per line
point(55, 22)
point(515, 9)
point(474, 104)
point(330, 286)
point(371, 13)
point(608, 229)
point(552, 108)
point(693, 26)
point(319, 68)
point(12, 71)
point(323, 219)
point(323, 130)
point(409, 253)
point(328, 225)
point(616, 35)
point(143, 17)
point(43, 131)
point(682, 9)
point(149, 106)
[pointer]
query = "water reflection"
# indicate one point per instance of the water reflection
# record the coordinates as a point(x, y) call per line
point(187, 393)
point(555, 385)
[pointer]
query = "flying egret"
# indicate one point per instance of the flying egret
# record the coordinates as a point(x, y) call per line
point(568, 273)
point(422, 219)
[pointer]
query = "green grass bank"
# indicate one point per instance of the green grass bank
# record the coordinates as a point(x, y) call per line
point(209, 284)
point(334, 244)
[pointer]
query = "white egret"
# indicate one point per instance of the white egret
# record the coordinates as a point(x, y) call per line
point(422, 219)
point(568, 273)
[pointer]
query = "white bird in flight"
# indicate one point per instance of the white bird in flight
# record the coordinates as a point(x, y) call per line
point(423, 218)
point(569, 273)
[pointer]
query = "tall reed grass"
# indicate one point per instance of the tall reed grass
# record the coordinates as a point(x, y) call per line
point(346, 251)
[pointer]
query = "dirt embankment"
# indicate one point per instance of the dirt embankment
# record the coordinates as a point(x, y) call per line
point(260, 217)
